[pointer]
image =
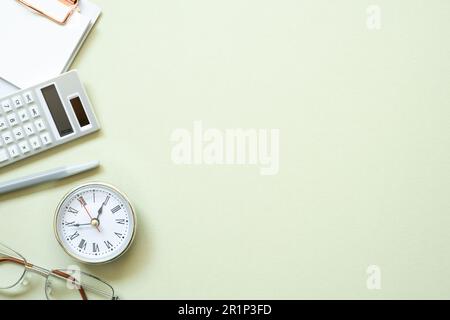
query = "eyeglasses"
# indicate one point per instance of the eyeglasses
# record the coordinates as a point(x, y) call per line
point(60, 284)
point(58, 11)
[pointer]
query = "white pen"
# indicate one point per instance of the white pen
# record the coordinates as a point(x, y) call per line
point(42, 177)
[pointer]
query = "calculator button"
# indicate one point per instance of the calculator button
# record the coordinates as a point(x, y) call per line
point(28, 127)
point(35, 143)
point(12, 119)
point(7, 137)
point(45, 137)
point(3, 155)
point(6, 106)
point(2, 123)
point(18, 133)
point(17, 101)
point(39, 124)
point(23, 115)
point(24, 147)
point(34, 111)
point(28, 97)
point(13, 151)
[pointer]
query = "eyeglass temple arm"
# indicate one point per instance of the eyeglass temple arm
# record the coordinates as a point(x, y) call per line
point(15, 260)
point(69, 277)
point(57, 272)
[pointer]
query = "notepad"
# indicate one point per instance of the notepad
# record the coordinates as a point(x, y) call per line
point(35, 48)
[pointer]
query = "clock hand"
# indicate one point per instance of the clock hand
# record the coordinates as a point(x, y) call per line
point(100, 211)
point(79, 224)
point(83, 204)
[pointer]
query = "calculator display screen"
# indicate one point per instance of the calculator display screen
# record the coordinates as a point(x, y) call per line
point(57, 110)
point(79, 111)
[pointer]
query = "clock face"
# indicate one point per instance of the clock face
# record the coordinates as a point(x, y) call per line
point(95, 223)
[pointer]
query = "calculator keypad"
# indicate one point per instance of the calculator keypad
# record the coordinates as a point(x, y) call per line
point(18, 133)
point(24, 147)
point(45, 137)
point(13, 151)
point(28, 97)
point(7, 137)
point(3, 124)
point(35, 142)
point(39, 125)
point(28, 127)
point(12, 119)
point(17, 101)
point(34, 111)
point(23, 115)
point(22, 130)
point(6, 106)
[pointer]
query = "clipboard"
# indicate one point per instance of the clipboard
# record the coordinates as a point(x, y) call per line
point(40, 48)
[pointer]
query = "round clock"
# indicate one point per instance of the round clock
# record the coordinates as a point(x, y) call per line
point(95, 223)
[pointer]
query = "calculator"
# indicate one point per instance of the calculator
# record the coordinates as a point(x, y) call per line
point(44, 116)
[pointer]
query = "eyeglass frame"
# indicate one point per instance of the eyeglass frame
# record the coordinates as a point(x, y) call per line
point(46, 273)
point(72, 3)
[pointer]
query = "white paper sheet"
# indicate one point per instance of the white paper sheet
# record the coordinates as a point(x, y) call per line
point(34, 48)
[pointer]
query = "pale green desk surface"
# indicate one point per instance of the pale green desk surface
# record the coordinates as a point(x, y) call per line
point(364, 172)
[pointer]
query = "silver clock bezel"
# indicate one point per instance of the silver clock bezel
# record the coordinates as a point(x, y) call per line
point(113, 188)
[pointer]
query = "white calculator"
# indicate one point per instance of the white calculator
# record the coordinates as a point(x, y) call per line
point(44, 116)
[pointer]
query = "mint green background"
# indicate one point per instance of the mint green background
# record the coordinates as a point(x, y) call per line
point(364, 172)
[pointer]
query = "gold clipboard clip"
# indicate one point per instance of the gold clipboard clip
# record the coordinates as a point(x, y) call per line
point(72, 6)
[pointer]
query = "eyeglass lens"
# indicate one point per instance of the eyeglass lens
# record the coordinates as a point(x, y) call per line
point(76, 285)
point(12, 268)
point(60, 284)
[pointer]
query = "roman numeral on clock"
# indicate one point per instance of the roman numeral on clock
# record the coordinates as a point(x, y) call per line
point(120, 221)
point(115, 209)
point(95, 247)
point(73, 236)
point(106, 200)
point(108, 244)
point(82, 244)
point(72, 210)
point(118, 234)
point(82, 201)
